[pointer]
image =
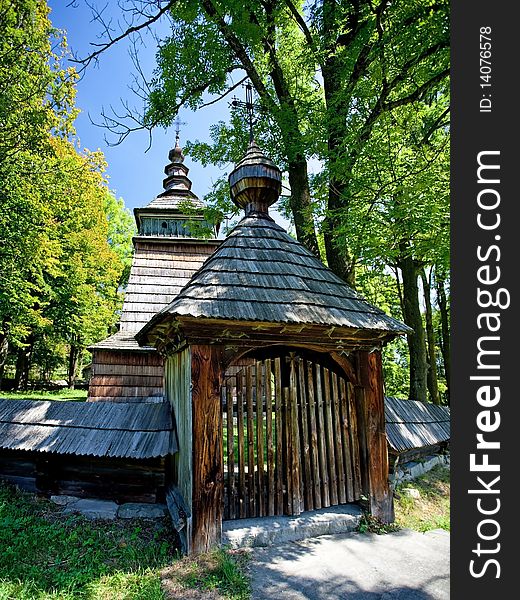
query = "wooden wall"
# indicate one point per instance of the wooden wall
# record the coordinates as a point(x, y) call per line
point(126, 376)
point(160, 269)
point(117, 479)
point(178, 393)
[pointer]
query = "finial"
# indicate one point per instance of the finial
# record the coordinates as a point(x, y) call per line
point(178, 124)
point(176, 155)
point(250, 107)
point(255, 182)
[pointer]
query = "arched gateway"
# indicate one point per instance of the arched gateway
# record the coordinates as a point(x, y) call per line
point(273, 371)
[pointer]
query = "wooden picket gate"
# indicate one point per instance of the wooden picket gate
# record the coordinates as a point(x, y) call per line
point(290, 438)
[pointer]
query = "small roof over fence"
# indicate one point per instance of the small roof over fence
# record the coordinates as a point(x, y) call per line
point(101, 429)
point(411, 424)
point(260, 274)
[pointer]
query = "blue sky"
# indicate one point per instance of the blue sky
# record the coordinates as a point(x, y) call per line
point(134, 173)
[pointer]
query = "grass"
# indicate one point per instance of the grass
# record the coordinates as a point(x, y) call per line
point(63, 394)
point(45, 555)
point(432, 509)
point(218, 574)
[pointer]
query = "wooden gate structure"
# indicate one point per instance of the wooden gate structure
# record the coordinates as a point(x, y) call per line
point(290, 438)
point(273, 370)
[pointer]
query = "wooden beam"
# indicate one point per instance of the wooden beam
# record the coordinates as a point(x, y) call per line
point(379, 492)
point(206, 379)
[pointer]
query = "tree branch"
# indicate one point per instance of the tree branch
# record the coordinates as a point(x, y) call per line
point(240, 52)
point(300, 21)
point(129, 31)
point(417, 94)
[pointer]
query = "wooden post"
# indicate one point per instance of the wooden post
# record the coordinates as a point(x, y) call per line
point(207, 448)
point(373, 415)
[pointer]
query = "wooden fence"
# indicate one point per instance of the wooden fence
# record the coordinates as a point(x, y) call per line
point(290, 439)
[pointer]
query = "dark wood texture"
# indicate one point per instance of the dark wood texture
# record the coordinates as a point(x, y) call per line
point(380, 494)
point(230, 454)
point(338, 441)
point(251, 484)
point(207, 448)
point(271, 464)
point(279, 469)
point(300, 456)
point(329, 440)
point(313, 438)
point(260, 439)
point(117, 479)
point(119, 376)
point(241, 447)
point(308, 495)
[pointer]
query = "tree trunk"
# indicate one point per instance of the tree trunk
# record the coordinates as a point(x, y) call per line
point(413, 318)
point(74, 355)
point(4, 348)
point(445, 331)
point(23, 365)
point(433, 386)
point(338, 255)
point(301, 205)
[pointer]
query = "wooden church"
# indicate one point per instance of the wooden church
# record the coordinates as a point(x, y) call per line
point(245, 379)
point(273, 373)
point(166, 255)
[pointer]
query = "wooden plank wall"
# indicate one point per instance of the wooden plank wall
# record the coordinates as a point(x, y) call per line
point(118, 479)
point(160, 269)
point(178, 393)
point(126, 376)
point(288, 448)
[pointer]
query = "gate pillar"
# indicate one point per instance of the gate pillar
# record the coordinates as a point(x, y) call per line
point(206, 379)
point(373, 442)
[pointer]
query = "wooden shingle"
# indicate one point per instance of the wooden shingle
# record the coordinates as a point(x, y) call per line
point(260, 273)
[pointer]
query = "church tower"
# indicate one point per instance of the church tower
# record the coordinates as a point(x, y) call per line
point(169, 248)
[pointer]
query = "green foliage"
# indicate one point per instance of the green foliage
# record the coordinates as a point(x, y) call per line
point(121, 229)
point(370, 524)
point(36, 99)
point(361, 89)
point(45, 555)
point(65, 241)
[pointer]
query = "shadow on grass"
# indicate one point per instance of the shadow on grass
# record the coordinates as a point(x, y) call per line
point(46, 555)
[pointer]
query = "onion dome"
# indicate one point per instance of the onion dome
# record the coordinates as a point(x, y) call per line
point(175, 155)
point(255, 182)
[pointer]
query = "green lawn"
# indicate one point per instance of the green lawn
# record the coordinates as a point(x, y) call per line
point(45, 555)
point(432, 509)
point(64, 394)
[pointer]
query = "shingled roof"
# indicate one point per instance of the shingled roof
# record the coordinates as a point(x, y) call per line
point(411, 424)
point(260, 273)
point(114, 429)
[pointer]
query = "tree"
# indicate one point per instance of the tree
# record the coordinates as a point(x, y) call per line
point(64, 238)
point(337, 81)
point(324, 76)
point(84, 293)
point(399, 212)
point(121, 228)
point(36, 97)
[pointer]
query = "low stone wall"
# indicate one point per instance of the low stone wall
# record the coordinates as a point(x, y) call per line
point(411, 470)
